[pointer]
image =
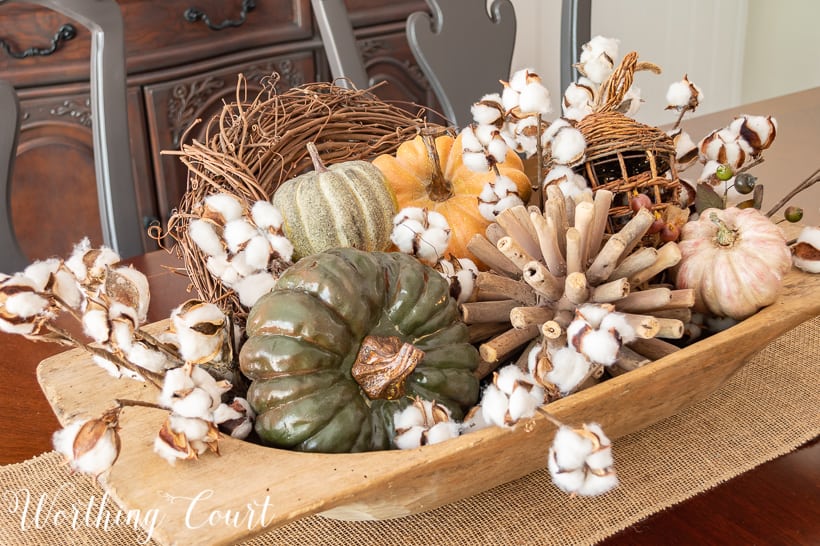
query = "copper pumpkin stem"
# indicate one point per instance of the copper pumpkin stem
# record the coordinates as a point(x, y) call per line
point(383, 364)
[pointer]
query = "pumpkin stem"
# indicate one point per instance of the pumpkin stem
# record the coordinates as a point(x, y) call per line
point(383, 364)
point(438, 188)
point(725, 236)
point(318, 164)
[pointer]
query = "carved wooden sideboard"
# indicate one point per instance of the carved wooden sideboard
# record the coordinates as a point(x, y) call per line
point(180, 70)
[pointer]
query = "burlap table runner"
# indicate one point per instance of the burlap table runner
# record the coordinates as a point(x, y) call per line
point(766, 410)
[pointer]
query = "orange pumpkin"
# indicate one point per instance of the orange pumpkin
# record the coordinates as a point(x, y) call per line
point(435, 178)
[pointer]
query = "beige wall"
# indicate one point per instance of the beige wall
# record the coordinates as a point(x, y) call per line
point(737, 51)
point(782, 48)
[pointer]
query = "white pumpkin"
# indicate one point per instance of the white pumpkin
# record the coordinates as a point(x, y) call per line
point(734, 259)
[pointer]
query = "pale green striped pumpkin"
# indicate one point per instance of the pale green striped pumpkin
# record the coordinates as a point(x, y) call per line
point(348, 204)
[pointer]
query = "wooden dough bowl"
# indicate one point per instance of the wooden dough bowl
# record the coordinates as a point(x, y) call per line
point(266, 487)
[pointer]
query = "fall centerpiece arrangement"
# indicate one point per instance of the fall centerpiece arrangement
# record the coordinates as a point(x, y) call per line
point(370, 281)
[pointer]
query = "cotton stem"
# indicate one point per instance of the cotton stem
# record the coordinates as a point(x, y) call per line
point(806, 184)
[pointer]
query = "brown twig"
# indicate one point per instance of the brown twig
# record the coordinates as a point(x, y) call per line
point(804, 185)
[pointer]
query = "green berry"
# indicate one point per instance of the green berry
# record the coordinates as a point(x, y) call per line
point(745, 183)
point(793, 214)
point(724, 173)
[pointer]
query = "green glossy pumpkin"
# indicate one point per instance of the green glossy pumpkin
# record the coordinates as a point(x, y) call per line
point(348, 204)
point(305, 335)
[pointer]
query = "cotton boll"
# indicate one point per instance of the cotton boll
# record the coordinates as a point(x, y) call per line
point(559, 173)
point(433, 244)
point(253, 287)
point(509, 377)
point(122, 334)
point(806, 250)
point(75, 261)
point(40, 272)
point(600, 44)
point(25, 304)
point(409, 417)
point(217, 265)
point(205, 236)
point(237, 233)
point(708, 171)
point(223, 205)
point(95, 325)
point(176, 380)
point(569, 369)
point(404, 236)
point(598, 68)
point(569, 481)
point(207, 382)
point(494, 405)
point(485, 134)
point(535, 98)
point(578, 95)
point(618, 322)
point(519, 79)
point(497, 149)
point(523, 402)
point(442, 431)
point(282, 247)
point(66, 287)
point(678, 94)
point(571, 449)
point(532, 358)
point(487, 211)
point(224, 413)
point(147, 358)
point(631, 102)
point(593, 314)
point(470, 141)
point(110, 368)
point(437, 220)
point(509, 98)
point(193, 428)
point(131, 289)
point(95, 452)
point(568, 146)
point(577, 113)
point(507, 202)
point(574, 187)
point(473, 421)
point(265, 215)
point(600, 347)
point(476, 161)
point(487, 111)
point(757, 131)
point(597, 485)
point(257, 252)
point(410, 438)
point(556, 126)
point(686, 151)
point(196, 403)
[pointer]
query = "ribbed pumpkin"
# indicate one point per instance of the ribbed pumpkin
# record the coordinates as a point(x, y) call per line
point(344, 340)
point(345, 205)
point(735, 260)
point(435, 178)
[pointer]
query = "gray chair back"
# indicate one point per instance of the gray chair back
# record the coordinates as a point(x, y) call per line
point(11, 257)
point(121, 226)
point(462, 50)
point(346, 64)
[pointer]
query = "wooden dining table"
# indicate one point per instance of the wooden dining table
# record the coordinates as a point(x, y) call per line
point(777, 502)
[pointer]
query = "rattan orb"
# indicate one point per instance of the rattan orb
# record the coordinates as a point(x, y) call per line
point(623, 155)
point(255, 144)
point(628, 157)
